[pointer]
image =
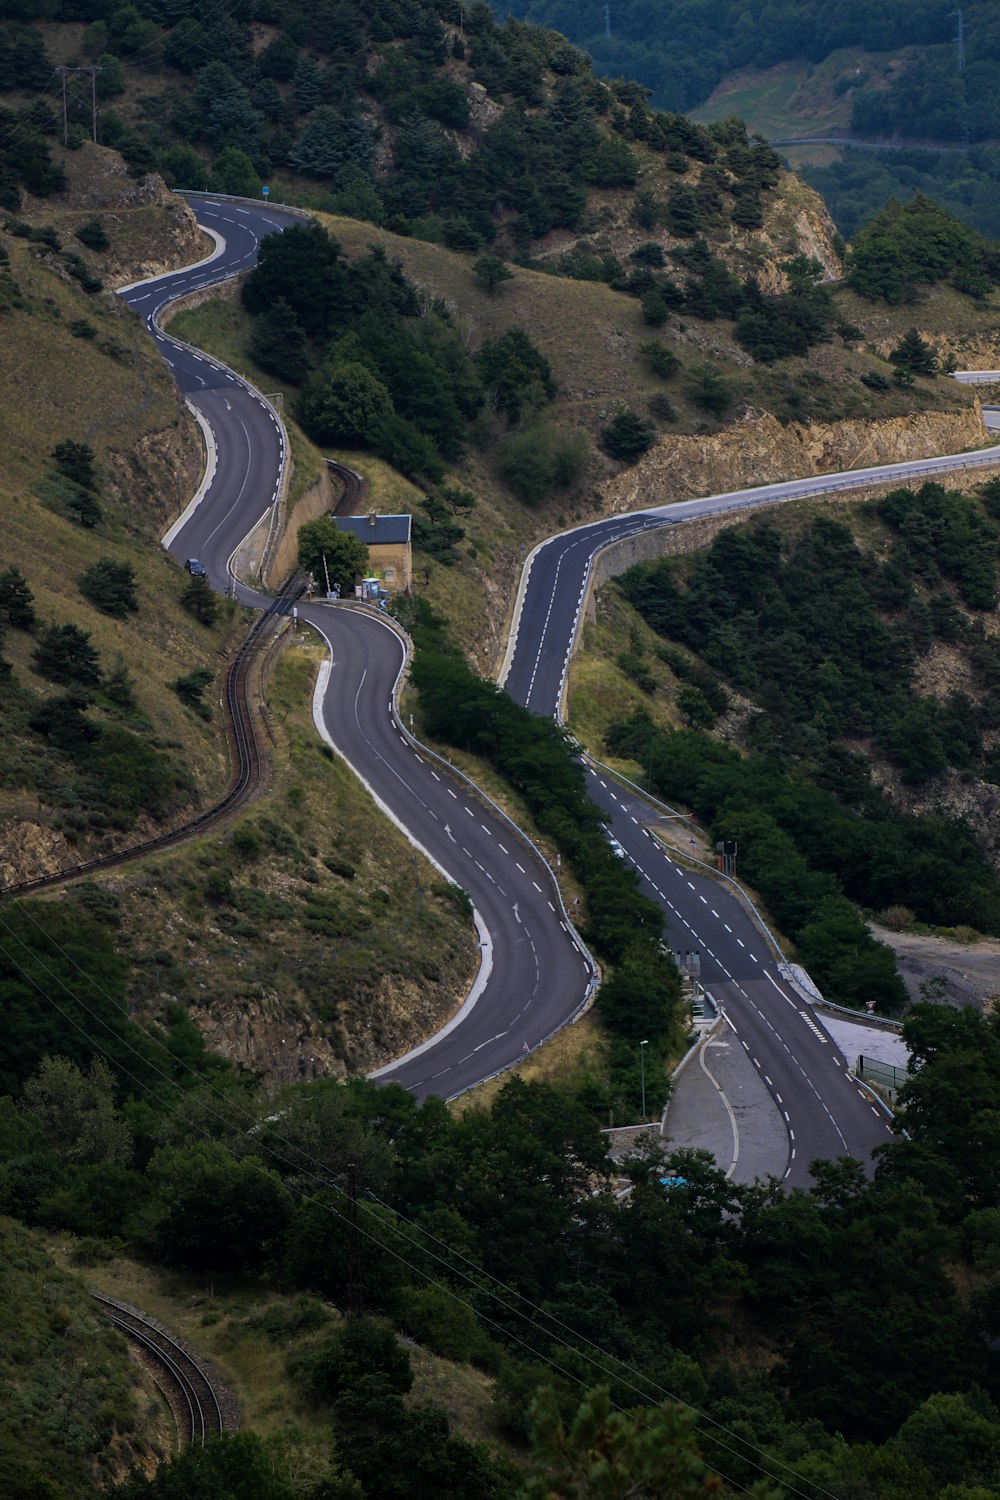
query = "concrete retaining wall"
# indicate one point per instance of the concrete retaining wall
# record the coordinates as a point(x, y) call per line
point(317, 501)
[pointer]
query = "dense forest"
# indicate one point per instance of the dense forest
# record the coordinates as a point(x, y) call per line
point(821, 641)
point(830, 1340)
point(373, 112)
point(680, 52)
point(964, 183)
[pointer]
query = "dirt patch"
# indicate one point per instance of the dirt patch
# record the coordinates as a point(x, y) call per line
point(968, 972)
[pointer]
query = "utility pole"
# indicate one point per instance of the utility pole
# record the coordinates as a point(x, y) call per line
point(642, 1070)
point(63, 72)
point(93, 70)
point(960, 39)
point(607, 20)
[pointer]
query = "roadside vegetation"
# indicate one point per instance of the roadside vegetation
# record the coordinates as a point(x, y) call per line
point(838, 1340)
point(820, 688)
point(496, 1239)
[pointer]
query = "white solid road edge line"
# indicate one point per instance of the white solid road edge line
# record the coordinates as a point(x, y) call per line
point(729, 1108)
point(485, 941)
point(220, 245)
point(211, 464)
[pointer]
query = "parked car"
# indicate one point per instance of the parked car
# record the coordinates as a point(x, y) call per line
point(617, 849)
point(195, 568)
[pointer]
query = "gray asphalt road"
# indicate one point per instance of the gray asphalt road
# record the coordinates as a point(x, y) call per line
point(538, 975)
point(542, 974)
point(248, 441)
point(824, 1112)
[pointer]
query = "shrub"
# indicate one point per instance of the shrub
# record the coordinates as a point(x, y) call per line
point(540, 459)
point(628, 435)
point(16, 600)
point(662, 407)
point(64, 655)
point(92, 235)
point(661, 360)
point(190, 688)
point(897, 918)
point(709, 391)
point(199, 600)
point(110, 587)
point(914, 354)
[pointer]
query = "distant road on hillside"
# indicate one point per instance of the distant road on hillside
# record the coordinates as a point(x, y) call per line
point(894, 144)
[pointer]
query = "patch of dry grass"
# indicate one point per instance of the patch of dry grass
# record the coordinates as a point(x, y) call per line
point(149, 454)
point(578, 1051)
point(308, 938)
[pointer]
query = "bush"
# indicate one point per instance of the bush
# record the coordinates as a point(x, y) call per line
point(64, 655)
point(541, 459)
point(709, 391)
point(16, 600)
point(92, 235)
point(661, 360)
point(627, 436)
point(190, 688)
point(110, 587)
point(662, 408)
point(199, 600)
point(914, 354)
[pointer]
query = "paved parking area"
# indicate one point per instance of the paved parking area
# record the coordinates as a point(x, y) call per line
point(720, 1104)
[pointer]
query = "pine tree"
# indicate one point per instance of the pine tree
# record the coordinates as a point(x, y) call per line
point(627, 435)
point(914, 354)
point(110, 587)
point(278, 343)
point(199, 600)
point(16, 600)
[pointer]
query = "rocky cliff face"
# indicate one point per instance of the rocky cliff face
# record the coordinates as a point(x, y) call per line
point(150, 230)
point(796, 222)
point(757, 449)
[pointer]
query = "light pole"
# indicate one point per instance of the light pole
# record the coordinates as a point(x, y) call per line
point(642, 1074)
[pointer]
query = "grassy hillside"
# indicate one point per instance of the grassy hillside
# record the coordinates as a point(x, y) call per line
point(250, 1333)
point(74, 366)
point(797, 97)
point(592, 337)
point(309, 938)
point(73, 1408)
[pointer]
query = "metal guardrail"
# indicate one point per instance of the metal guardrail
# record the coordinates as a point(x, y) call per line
point(882, 1074)
point(283, 468)
point(716, 874)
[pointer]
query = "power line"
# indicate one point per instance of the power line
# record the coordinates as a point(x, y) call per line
point(619, 1366)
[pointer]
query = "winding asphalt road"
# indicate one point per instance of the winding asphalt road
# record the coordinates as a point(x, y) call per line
point(534, 975)
point(824, 1111)
point(245, 440)
point(542, 974)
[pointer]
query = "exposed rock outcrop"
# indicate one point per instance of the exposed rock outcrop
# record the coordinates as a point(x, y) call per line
point(759, 450)
point(29, 851)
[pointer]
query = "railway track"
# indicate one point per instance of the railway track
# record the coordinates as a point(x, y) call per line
point(248, 762)
point(198, 1407)
point(354, 488)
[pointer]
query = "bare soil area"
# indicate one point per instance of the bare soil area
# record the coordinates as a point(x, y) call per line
point(970, 972)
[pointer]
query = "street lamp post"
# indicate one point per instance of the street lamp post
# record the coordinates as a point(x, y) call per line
point(642, 1074)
